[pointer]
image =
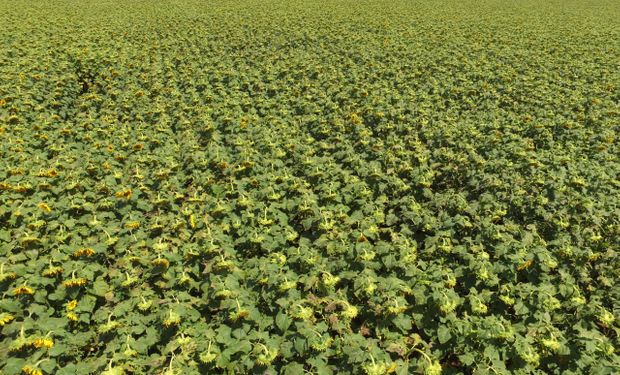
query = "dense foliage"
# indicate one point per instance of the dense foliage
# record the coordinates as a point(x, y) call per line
point(309, 187)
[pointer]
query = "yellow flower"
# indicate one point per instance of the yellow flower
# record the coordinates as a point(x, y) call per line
point(172, 320)
point(75, 282)
point(30, 370)
point(44, 207)
point(132, 225)
point(71, 305)
point(53, 271)
point(87, 251)
point(5, 319)
point(43, 342)
point(16, 171)
point(21, 189)
point(48, 173)
point(525, 265)
point(7, 276)
point(23, 290)
point(126, 194)
point(72, 317)
point(160, 262)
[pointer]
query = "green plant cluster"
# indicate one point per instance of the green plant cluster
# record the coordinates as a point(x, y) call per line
point(320, 187)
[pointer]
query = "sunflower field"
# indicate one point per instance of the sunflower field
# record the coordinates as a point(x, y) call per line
point(309, 187)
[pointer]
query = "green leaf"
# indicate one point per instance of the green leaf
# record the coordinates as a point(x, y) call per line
point(5, 235)
point(402, 322)
point(13, 366)
point(100, 288)
point(57, 350)
point(69, 369)
point(48, 366)
point(283, 321)
point(300, 345)
point(293, 369)
point(443, 334)
point(467, 359)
